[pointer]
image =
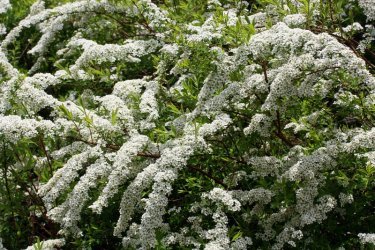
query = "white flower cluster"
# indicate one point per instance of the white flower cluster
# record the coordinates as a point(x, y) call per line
point(367, 238)
point(157, 17)
point(224, 197)
point(269, 99)
point(218, 235)
point(220, 123)
point(48, 245)
point(368, 7)
point(68, 213)
point(7, 67)
point(4, 6)
point(296, 20)
point(259, 195)
point(66, 175)
point(121, 170)
point(345, 199)
point(260, 123)
point(39, 16)
point(131, 52)
point(368, 38)
point(1, 245)
point(14, 128)
point(3, 29)
point(353, 28)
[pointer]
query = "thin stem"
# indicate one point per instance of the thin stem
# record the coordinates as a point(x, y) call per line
point(279, 133)
point(49, 160)
point(7, 188)
point(156, 156)
point(216, 180)
point(264, 68)
point(331, 11)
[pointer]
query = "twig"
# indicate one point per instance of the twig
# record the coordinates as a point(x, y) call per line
point(264, 68)
point(49, 160)
point(216, 180)
point(156, 156)
point(279, 132)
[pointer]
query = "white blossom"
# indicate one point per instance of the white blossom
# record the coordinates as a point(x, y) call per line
point(4, 6)
point(65, 175)
point(3, 29)
point(13, 128)
point(48, 244)
point(345, 199)
point(1, 245)
point(224, 197)
point(122, 170)
point(259, 123)
point(275, 100)
point(296, 20)
point(368, 8)
point(367, 238)
point(353, 27)
point(241, 243)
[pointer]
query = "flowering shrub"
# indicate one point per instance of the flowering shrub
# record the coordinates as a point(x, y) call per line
point(190, 124)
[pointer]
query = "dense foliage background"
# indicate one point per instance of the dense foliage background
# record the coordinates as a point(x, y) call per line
point(187, 124)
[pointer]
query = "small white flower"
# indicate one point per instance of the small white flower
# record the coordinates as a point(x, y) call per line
point(4, 6)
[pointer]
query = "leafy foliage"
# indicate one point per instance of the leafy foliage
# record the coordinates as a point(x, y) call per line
point(185, 124)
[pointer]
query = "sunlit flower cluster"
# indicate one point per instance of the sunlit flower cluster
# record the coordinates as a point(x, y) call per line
point(4, 6)
point(274, 116)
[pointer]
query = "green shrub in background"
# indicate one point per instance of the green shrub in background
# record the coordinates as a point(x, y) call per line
point(185, 124)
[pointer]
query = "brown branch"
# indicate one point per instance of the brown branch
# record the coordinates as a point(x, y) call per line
point(148, 155)
point(156, 156)
point(279, 133)
point(36, 199)
point(348, 42)
point(216, 180)
point(145, 23)
point(257, 96)
point(49, 160)
point(116, 147)
point(331, 11)
point(7, 188)
point(264, 68)
point(284, 139)
point(92, 143)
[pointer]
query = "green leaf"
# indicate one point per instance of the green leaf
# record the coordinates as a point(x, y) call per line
point(174, 109)
point(66, 112)
point(114, 116)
